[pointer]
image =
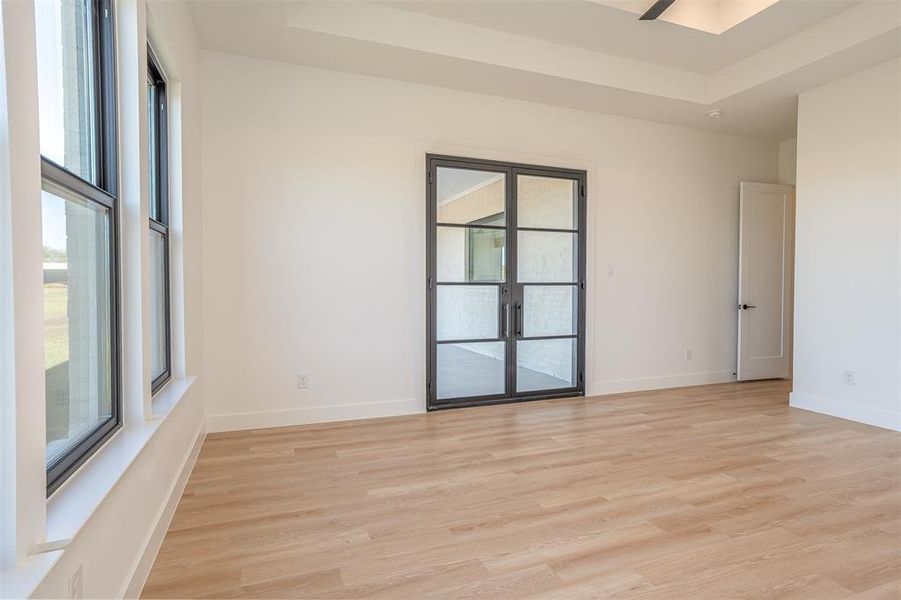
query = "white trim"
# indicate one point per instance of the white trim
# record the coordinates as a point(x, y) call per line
point(134, 583)
point(846, 410)
point(22, 581)
point(70, 507)
point(643, 384)
point(313, 414)
point(23, 425)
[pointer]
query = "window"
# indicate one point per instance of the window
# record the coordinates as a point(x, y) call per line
point(485, 250)
point(157, 137)
point(76, 85)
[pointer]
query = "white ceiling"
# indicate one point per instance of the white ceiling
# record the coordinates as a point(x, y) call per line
point(581, 54)
point(600, 28)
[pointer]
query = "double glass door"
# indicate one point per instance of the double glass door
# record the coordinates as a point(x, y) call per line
point(506, 282)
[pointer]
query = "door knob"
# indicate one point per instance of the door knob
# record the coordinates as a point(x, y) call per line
point(746, 306)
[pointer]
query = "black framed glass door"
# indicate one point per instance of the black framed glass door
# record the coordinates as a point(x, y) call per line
point(506, 282)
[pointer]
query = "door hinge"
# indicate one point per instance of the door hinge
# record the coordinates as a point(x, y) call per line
point(428, 282)
point(430, 178)
point(581, 377)
point(582, 190)
point(582, 284)
point(428, 390)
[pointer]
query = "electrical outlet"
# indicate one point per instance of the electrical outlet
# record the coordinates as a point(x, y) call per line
point(303, 381)
point(848, 377)
point(76, 584)
point(688, 353)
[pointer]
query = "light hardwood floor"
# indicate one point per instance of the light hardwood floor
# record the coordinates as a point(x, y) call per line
point(708, 492)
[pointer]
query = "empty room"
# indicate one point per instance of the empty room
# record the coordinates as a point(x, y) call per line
point(448, 299)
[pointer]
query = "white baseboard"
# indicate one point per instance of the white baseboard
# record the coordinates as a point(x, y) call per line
point(313, 414)
point(618, 386)
point(140, 571)
point(846, 410)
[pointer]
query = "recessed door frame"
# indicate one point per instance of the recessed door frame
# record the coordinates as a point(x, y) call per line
point(510, 291)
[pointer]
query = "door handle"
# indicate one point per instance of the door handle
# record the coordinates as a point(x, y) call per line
point(746, 306)
point(518, 319)
point(505, 320)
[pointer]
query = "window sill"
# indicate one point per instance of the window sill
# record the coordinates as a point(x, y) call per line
point(22, 581)
point(70, 507)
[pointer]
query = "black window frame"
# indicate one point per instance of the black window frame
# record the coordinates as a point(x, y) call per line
point(159, 145)
point(104, 192)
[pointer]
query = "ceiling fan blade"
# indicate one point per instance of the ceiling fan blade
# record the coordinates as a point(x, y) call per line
point(656, 10)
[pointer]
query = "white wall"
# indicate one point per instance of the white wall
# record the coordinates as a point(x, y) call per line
point(314, 237)
point(788, 161)
point(847, 293)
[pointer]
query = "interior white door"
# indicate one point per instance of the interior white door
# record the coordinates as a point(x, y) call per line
point(765, 278)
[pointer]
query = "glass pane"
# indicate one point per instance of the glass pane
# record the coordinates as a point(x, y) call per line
point(545, 364)
point(471, 254)
point(546, 202)
point(66, 92)
point(549, 310)
point(468, 312)
point(77, 319)
point(470, 369)
point(152, 171)
point(159, 323)
point(470, 197)
point(547, 257)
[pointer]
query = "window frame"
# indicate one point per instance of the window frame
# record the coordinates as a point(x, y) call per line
point(160, 176)
point(105, 192)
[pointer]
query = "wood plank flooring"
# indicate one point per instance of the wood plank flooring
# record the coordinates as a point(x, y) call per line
point(709, 492)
